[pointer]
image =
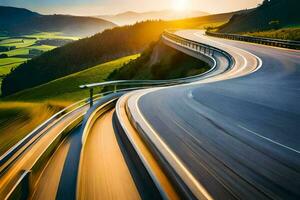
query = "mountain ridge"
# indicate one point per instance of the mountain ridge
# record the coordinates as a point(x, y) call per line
point(131, 17)
point(16, 21)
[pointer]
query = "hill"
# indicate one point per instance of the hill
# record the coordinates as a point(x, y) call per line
point(269, 15)
point(18, 21)
point(160, 62)
point(65, 90)
point(100, 48)
point(131, 17)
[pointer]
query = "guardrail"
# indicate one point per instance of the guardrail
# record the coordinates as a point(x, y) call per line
point(291, 44)
point(12, 154)
point(197, 47)
point(131, 85)
point(21, 190)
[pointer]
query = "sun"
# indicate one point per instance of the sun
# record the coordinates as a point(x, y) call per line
point(180, 5)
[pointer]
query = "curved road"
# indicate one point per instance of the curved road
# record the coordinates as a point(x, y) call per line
point(231, 134)
point(238, 137)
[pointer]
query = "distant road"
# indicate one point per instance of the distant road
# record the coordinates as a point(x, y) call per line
point(238, 137)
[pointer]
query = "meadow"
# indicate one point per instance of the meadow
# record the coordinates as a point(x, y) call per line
point(52, 35)
point(23, 45)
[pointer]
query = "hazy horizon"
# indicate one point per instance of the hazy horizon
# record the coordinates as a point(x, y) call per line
point(105, 7)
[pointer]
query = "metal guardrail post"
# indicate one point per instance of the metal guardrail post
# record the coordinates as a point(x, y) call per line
point(115, 88)
point(91, 96)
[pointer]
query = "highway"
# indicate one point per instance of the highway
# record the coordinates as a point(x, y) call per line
point(238, 135)
point(231, 133)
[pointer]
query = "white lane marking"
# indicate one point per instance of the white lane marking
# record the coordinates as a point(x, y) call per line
point(270, 140)
point(243, 57)
point(190, 95)
point(260, 62)
point(203, 191)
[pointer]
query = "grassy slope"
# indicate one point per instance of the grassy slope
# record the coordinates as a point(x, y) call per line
point(19, 55)
point(6, 68)
point(7, 61)
point(18, 43)
point(285, 33)
point(160, 62)
point(52, 35)
point(25, 51)
point(18, 119)
point(66, 88)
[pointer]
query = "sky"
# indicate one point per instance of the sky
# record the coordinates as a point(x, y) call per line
point(100, 7)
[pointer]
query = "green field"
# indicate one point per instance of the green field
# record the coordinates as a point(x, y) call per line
point(7, 68)
point(17, 52)
point(66, 89)
point(25, 51)
point(11, 60)
point(23, 45)
point(18, 43)
point(52, 35)
point(42, 47)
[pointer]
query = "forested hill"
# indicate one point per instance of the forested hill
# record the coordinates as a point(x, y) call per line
point(102, 47)
point(14, 21)
point(279, 13)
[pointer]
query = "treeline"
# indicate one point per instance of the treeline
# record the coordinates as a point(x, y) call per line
point(160, 62)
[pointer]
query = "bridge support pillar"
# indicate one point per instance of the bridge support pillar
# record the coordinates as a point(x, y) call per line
point(91, 96)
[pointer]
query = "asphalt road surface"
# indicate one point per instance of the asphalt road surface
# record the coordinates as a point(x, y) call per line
point(239, 137)
point(104, 173)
